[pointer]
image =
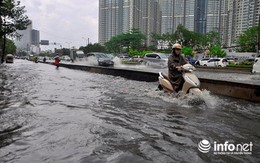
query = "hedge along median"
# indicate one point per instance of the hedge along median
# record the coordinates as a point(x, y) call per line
point(225, 69)
point(245, 91)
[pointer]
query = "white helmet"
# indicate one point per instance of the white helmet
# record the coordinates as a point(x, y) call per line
point(176, 46)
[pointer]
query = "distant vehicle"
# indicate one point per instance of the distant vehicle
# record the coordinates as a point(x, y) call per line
point(156, 59)
point(76, 54)
point(9, 58)
point(65, 58)
point(40, 59)
point(124, 56)
point(202, 61)
point(216, 62)
point(232, 60)
point(102, 58)
point(256, 66)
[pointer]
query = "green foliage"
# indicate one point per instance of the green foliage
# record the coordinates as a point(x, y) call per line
point(12, 18)
point(96, 47)
point(212, 37)
point(140, 53)
point(134, 52)
point(132, 62)
point(187, 38)
point(248, 39)
point(187, 51)
point(240, 65)
point(10, 47)
point(63, 51)
point(217, 51)
point(133, 39)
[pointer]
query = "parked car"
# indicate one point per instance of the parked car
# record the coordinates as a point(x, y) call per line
point(256, 66)
point(102, 58)
point(156, 59)
point(9, 58)
point(232, 60)
point(202, 61)
point(216, 62)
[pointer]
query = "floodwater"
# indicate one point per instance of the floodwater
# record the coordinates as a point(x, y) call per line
point(63, 115)
point(234, 77)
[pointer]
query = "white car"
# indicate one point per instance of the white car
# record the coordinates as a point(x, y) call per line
point(216, 62)
point(156, 60)
point(256, 66)
point(202, 61)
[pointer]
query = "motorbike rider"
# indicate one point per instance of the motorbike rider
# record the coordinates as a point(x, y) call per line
point(175, 61)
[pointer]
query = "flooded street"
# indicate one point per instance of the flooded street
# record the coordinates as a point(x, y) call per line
point(63, 115)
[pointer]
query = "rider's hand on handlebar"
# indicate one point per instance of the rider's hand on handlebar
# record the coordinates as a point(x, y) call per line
point(178, 67)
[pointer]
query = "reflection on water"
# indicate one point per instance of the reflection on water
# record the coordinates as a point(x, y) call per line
point(63, 115)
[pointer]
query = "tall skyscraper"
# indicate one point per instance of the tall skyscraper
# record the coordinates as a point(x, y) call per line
point(25, 42)
point(217, 18)
point(175, 12)
point(35, 37)
point(200, 16)
point(242, 14)
point(117, 16)
point(29, 41)
point(227, 17)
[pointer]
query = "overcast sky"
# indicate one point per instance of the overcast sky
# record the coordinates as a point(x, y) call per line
point(64, 21)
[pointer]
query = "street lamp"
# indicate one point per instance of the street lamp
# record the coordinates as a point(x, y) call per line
point(87, 40)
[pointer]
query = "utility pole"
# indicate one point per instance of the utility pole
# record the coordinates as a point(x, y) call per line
point(87, 41)
point(258, 37)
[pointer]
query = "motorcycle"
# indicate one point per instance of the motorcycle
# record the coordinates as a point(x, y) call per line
point(191, 82)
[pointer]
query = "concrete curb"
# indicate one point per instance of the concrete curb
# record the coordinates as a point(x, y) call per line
point(225, 69)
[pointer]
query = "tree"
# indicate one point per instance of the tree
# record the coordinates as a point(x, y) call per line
point(187, 51)
point(212, 37)
point(12, 18)
point(248, 39)
point(217, 51)
point(10, 47)
point(133, 39)
point(163, 39)
point(96, 47)
point(63, 51)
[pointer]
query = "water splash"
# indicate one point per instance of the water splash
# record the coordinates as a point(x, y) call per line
point(206, 99)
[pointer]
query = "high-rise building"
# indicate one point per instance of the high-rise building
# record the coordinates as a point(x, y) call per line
point(25, 41)
point(35, 37)
point(231, 34)
point(29, 41)
point(227, 17)
point(242, 14)
point(117, 16)
point(217, 18)
point(175, 12)
point(200, 16)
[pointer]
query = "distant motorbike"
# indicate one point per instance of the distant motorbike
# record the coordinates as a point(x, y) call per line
point(191, 82)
